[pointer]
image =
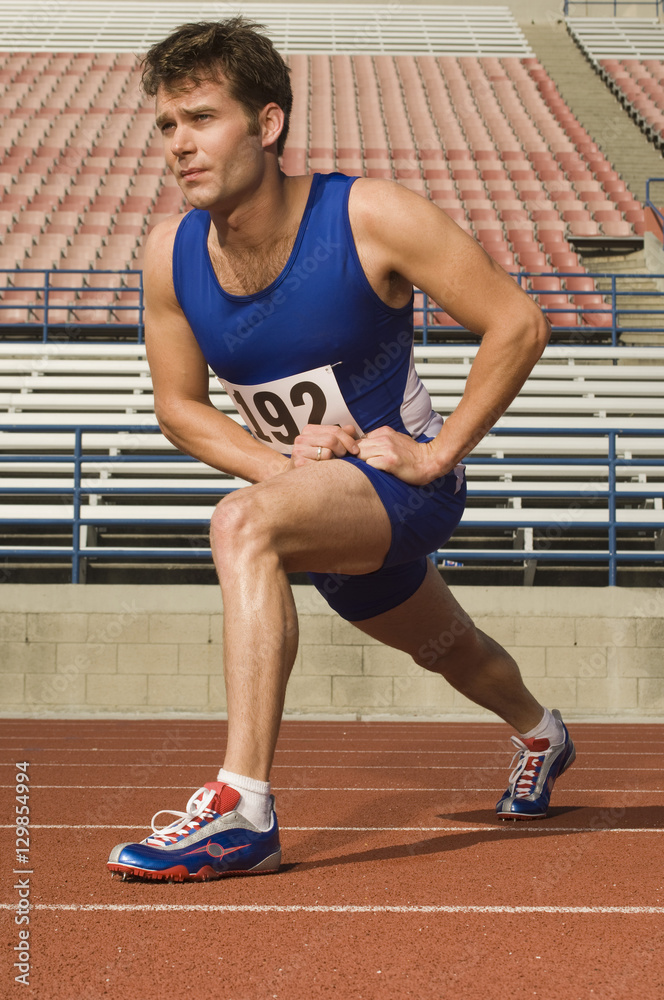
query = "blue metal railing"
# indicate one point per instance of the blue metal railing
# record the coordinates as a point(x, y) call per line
point(94, 514)
point(43, 314)
point(609, 316)
point(615, 4)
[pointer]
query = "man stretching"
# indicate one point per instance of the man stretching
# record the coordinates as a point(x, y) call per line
point(298, 293)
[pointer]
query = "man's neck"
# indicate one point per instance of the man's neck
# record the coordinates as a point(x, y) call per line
point(260, 220)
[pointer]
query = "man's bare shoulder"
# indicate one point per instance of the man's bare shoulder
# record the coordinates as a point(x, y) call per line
point(376, 191)
point(377, 204)
point(159, 244)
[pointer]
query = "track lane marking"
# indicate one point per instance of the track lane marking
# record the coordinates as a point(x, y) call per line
point(303, 739)
point(324, 767)
point(181, 750)
point(317, 908)
point(351, 788)
point(503, 826)
point(382, 788)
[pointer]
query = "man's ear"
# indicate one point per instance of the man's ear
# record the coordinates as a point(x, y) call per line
point(271, 120)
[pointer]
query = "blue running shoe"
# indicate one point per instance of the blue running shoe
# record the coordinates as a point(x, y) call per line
point(531, 782)
point(207, 841)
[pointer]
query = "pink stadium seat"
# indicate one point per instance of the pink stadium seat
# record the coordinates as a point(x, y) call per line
point(79, 258)
point(545, 215)
point(125, 307)
point(545, 283)
point(598, 204)
point(13, 308)
point(512, 216)
point(489, 229)
point(588, 300)
point(531, 260)
point(599, 319)
point(563, 260)
point(551, 239)
point(556, 309)
point(607, 215)
point(575, 215)
point(628, 204)
point(584, 228)
point(26, 185)
point(617, 228)
point(56, 240)
point(19, 240)
point(84, 238)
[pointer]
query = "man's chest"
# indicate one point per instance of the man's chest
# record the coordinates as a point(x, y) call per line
point(250, 270)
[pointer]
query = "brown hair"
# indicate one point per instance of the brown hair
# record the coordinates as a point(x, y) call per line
point(234, 48)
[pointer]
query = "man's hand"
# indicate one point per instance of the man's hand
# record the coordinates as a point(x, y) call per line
point(320, 442)
point(397, 453)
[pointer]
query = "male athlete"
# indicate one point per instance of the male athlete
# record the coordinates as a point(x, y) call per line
point(298, 292)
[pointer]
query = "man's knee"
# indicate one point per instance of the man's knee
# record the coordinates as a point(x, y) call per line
point(239, 521)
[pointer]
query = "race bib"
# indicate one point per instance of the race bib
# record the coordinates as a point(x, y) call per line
point(276, 412)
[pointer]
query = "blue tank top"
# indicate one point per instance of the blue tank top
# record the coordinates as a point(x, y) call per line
point(319, 314)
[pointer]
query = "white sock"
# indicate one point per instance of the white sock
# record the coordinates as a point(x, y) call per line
point(547, 728)
point(254, 803)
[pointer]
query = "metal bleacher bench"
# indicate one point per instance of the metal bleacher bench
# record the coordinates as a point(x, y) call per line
point(126, 473)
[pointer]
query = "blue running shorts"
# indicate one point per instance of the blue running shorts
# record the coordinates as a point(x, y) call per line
point(422, 518)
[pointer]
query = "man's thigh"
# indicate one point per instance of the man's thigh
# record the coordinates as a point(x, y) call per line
point(322, 517)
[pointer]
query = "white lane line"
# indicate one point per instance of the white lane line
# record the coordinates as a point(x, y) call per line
point(348, 788)
point(330, 767)
point(505, 827)
point(623, 791)
point(317, 908)
point(382, 788)
point(182, 750)
point(310, 739)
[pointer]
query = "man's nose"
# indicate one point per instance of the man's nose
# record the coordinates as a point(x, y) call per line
point(182, 140)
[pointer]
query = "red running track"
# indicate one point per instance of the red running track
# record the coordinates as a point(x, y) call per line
point(397, 880)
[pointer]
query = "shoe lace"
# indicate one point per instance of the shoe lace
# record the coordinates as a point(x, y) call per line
point(197, 813)
point(523, 779)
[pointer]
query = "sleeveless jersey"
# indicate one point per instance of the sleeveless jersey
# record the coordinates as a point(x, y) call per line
point(318, 345)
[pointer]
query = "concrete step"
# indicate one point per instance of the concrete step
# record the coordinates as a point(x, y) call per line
point(625, 283)
point(634, 263)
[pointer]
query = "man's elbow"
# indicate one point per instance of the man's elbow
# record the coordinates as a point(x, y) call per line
point(536, 329)
point(169, 419)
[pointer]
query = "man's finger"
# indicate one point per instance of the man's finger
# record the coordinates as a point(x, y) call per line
point(337, 439)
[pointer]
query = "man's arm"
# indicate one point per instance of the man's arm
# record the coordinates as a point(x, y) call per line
point(404, 234)
point(180, 377)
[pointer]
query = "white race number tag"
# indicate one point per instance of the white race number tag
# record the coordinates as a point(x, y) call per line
point(276, 412)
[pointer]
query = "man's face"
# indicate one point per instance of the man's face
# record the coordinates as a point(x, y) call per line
point(207, 144)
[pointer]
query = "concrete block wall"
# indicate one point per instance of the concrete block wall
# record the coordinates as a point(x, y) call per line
point(593, 653)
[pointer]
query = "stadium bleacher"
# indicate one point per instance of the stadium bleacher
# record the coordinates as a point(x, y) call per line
point(488, 138)
point(452, 103)
point(629, 55)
